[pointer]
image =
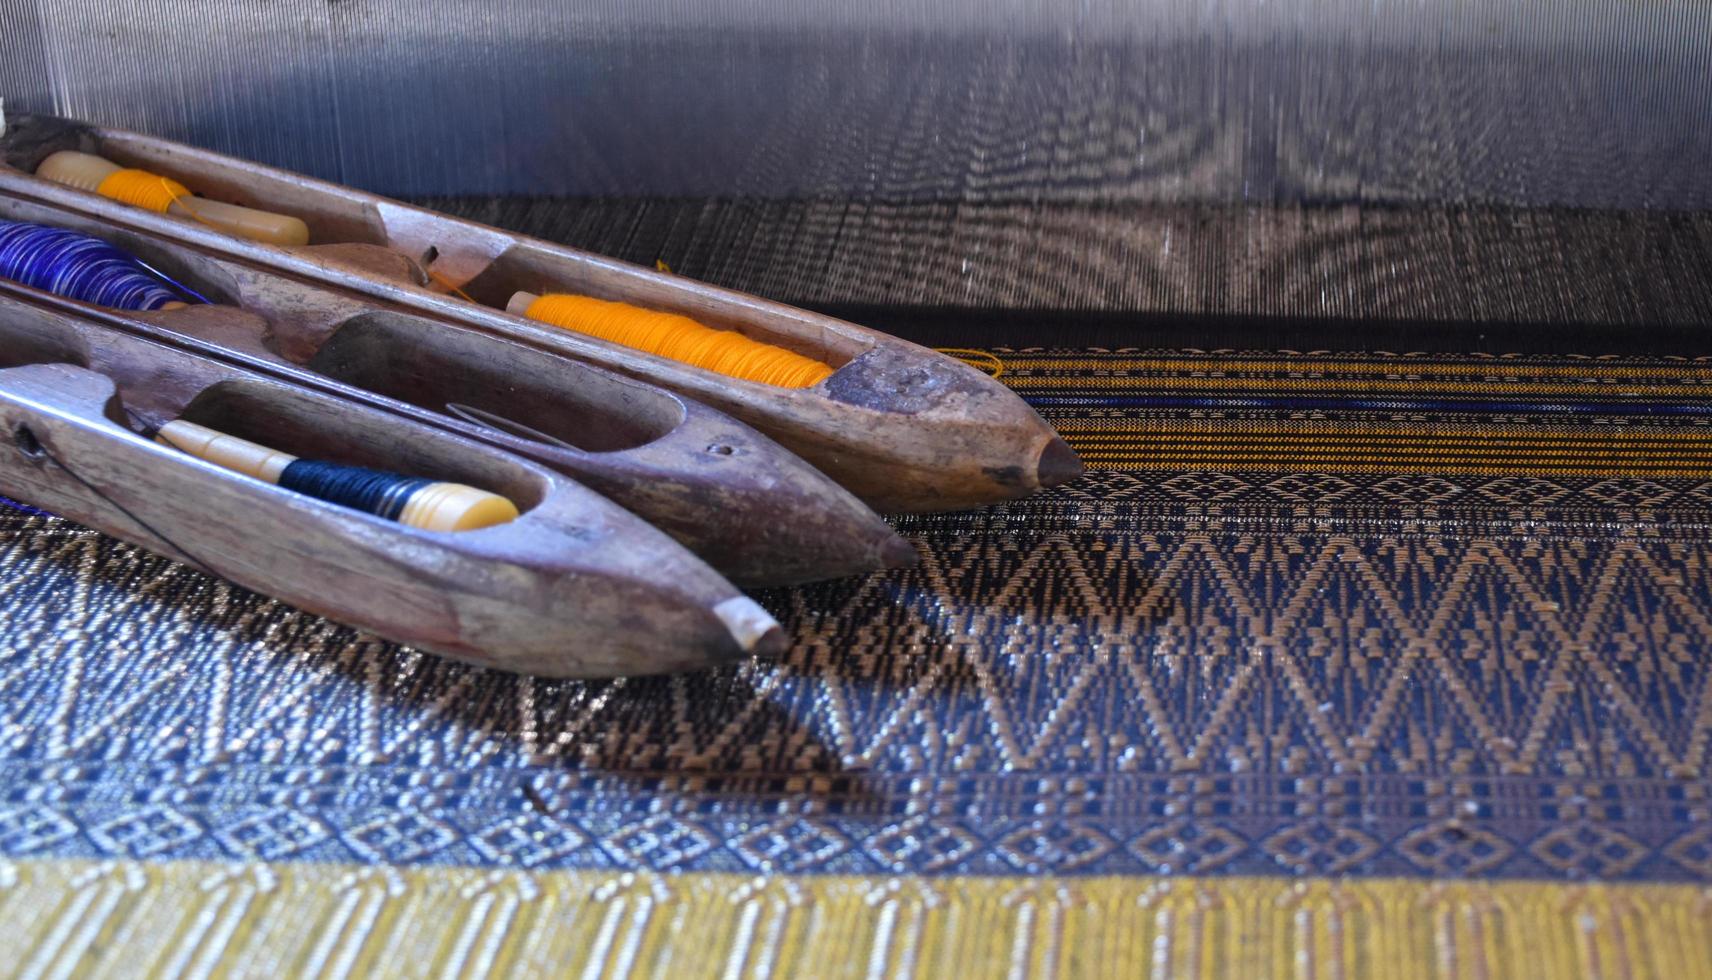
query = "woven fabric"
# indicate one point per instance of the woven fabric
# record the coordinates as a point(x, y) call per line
point(309, 919)
point(1395, 621)
point(1327, 278)
point(1386, 664)
point(1579, 103)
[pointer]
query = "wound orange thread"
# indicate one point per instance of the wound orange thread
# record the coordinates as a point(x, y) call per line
point(679, 338)
point(141, 189)
point(151, 192)
point(155, 192)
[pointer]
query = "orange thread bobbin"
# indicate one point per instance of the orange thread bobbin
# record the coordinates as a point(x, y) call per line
point(141, 189)
point(675, 337)
point(154, 192)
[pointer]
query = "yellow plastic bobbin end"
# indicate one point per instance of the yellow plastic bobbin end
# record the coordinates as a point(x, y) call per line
point(153, 192)
point(456, 507)
point(84, 171)
point(221, 449)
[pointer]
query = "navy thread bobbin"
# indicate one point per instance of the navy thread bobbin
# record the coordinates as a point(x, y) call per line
point(379, 493)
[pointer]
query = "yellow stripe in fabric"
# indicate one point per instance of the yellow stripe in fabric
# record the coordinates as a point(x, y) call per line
point(1125, 462)
point(1379, 463)
point(88, 918)
point(1518, 453)
point(1334, 450)
point(1323, 366)
point(1581, 435)
point(1163, 444)
point(1143, 384)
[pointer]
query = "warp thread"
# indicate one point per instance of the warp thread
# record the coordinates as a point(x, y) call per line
point(84, 268)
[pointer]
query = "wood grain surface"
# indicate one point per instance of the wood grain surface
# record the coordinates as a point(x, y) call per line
point(900, 426)
point(576, 586)
point(730, 494)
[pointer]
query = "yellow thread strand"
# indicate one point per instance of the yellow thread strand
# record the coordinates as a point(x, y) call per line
point(986, 362)
point(152, 192)
point(442, 280)
point(681, 339)
point(661, 265)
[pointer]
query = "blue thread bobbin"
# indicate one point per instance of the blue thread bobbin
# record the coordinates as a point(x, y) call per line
point(84, 268)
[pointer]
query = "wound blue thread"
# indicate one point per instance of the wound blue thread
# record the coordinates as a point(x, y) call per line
point(373, 491)
point(84, 268)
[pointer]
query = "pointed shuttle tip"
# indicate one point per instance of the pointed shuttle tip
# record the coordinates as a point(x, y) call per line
point(757, 633)
point(898, 552)
point(772, 644)
point(1059, 464)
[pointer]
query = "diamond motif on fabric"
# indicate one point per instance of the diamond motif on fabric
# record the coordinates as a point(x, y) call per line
point(1205, 486)
point(274, 835)
point(1103, 485)
point(1521, 491)
point(1588, 850)
point(1312, 487)
point(1111, 636)
point(1417, 490)
point(1453, 849)
point(794, 845)
point(1319, 848)
point(659, 842)
point(921, 846)
point(1693, 851)
point(1629, 492)
point(400, 838)
point(527, 841)
point(1053, 847)
point(28, 828)
point(148, 831)
point(1187, 848)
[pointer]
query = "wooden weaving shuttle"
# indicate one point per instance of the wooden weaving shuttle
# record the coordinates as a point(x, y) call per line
point(574, 587)
point(747, 506)
point(903, 427)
